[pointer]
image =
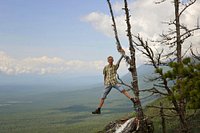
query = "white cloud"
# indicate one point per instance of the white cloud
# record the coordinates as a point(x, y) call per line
point(46, 65)
point(100, 21)
point(146, 19)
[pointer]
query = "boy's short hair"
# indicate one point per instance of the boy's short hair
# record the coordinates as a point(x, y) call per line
point(110, 57)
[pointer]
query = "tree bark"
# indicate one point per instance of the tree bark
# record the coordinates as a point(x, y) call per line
point(132, 62)
point(133, 70)
point(162, 118)
point(184, 126)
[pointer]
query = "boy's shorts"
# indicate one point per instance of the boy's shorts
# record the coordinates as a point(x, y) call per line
point(108, 88)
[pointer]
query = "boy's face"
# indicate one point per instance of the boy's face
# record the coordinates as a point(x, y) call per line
point(110, 60)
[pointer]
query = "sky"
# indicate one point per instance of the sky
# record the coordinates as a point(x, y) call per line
point(41, 37)
point(51, 32)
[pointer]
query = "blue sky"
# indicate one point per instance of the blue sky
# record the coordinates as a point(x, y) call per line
point(51, 27)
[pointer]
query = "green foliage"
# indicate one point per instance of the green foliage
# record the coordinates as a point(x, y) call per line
point(172, 123)
point(187, 79)
point(159, 70)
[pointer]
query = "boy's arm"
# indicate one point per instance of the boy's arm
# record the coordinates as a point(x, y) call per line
point(118, 63)
point(104, 73)
point(104, 79)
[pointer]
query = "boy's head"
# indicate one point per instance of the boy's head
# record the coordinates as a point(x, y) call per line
point(110, 59)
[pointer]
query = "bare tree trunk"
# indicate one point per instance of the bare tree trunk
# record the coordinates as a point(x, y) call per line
point(132, 62)
point(184, 126)
point(178, 33)
point(133, 70)
point(162, 118)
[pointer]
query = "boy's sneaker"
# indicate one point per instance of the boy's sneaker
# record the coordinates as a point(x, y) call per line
point(133, 100)
point(97, 111)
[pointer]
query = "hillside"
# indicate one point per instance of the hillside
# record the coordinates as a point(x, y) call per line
point(171, 121)
point(35, 109)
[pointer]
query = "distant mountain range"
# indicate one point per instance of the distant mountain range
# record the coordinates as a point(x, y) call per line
point(144, 72)
point(69, 82)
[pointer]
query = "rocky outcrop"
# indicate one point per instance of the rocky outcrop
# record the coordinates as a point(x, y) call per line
point(130, 125)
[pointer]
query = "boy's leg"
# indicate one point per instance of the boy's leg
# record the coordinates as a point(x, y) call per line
point(106, 91)
point(126, 94)
point(101, 102)
point(123, 91)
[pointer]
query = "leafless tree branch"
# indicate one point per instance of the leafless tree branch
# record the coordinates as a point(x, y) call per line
point(158, 2)
point(194, 55)
point(191, 2)
point(152, 106)
point(154, 91)
point(122, 82)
